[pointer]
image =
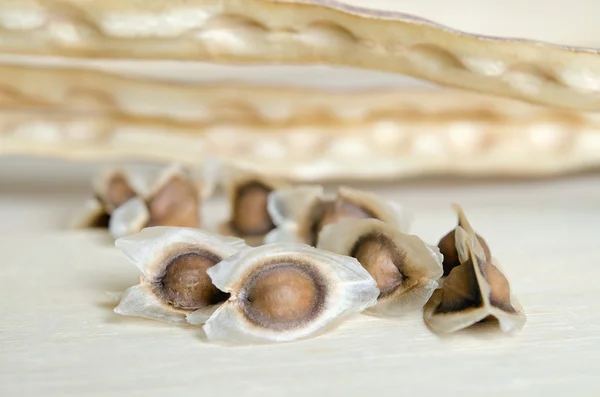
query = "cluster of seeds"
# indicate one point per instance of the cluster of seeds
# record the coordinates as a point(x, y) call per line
point(293, 262)
point(127, 199)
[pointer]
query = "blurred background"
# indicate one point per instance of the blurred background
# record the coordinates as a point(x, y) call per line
point(38, 194)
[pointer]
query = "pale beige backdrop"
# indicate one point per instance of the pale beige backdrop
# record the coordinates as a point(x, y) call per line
point(58, 336)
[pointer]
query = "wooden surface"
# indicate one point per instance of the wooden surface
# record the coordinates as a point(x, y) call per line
point(59, 336)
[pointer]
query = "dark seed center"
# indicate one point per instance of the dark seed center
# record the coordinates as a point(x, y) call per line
point(283, 296)
point(186, 284)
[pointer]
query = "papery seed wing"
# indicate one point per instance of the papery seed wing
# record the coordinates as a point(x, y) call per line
point(462, 244)
point(200, 316)
point(503, 303)
point(153, 246)
point(443, 323)
point(410, 300)
point(139, 301)
point(290, 204)
point(145, 179)
point(206, 177)
point(385, 210)
point(463, 301)
point(284, 233)
point(129, 218)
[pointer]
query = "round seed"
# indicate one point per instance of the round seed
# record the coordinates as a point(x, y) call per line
point(185, 283)
point(284, 295)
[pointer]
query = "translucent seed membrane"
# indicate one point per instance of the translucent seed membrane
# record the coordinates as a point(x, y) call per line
point(447, 244)
point(174, 263)
point(474, 291)
point(405, 268)
point(300, 213)
point(286, 291)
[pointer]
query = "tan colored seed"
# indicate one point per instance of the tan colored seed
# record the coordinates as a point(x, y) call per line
point(176, 204)
point(283, 294)
point(186, 285)
point(250, 216)
point(379, 257)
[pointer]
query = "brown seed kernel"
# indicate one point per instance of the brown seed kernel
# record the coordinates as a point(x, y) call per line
point(118, 191)
point(381, 259)
point(176, 204)
point(283, 296)
point(250, 215)
point(185, 283)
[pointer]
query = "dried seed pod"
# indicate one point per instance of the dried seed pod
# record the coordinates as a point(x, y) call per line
point(284, 292)
point(474, 291)
point(405, 268)
point(248, 197)
point(173, 262)
point(300, 213)
point(447, 244)
point(128, 199)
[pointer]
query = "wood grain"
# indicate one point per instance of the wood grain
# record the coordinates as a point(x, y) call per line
point(59, 337)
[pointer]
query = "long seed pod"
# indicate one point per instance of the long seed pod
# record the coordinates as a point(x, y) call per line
point(303, 32)
point(298, 134)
